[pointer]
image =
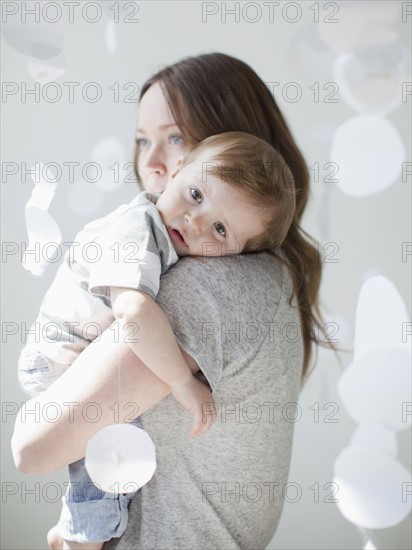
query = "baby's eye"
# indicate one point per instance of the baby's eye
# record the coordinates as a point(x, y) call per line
point(141, 142)
point(197, 195)
point(176, 139)
point(220, 228)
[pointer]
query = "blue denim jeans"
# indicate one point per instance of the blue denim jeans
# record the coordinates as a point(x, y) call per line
point(88, 514)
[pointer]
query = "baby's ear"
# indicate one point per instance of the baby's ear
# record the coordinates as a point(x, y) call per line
point(179, 164)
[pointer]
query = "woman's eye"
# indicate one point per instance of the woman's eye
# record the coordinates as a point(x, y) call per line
point(197, 195)
point(176, 139)
point(141, 142)
point(220, 228)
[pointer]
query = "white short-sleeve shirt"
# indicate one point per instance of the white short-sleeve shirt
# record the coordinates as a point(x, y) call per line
point(128, 248)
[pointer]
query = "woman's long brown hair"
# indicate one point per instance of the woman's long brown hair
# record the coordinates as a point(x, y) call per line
point(215, 93)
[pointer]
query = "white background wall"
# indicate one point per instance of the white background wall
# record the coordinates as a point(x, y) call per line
point(368, 231)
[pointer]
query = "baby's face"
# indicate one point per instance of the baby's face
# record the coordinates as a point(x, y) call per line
point(205, 216)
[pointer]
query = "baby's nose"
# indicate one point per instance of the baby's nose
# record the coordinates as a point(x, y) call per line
point(195, 224)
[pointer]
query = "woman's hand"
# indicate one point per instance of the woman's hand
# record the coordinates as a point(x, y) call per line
point(198, 400)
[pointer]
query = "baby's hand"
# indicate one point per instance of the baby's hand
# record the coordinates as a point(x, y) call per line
point(197, 399)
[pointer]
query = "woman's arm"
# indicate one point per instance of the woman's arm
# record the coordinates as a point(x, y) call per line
point(105, 379)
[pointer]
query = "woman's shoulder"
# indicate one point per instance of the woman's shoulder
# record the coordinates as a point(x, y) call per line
point(239, 266)
point(245, 272)
point(245, 288)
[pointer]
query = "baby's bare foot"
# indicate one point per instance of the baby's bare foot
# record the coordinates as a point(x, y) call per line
point(55, 542)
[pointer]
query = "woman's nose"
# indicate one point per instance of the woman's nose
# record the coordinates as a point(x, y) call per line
point(154, 160)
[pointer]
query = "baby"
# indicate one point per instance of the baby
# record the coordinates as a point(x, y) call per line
point(232, 193)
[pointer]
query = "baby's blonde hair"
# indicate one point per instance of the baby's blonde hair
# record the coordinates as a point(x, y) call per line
point(261, 174)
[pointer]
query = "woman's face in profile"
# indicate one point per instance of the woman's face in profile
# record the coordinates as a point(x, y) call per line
point(160, 141)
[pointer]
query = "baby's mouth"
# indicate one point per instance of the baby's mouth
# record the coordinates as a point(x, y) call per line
point(176, 236)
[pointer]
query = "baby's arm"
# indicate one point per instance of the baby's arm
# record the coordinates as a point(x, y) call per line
point(157, 348)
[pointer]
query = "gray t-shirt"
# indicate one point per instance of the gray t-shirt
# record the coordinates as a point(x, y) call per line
point(223, 490)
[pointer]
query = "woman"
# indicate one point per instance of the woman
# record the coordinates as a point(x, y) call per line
point(237, 324)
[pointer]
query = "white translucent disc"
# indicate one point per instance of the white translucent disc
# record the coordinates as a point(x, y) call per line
point(369, 154)
point(377, 436)
point(346, 26)
point(120, 458)
point(382, 319)
point(372, 488)
point(377, 388)
point(48, 70)
point(371, 80)
point(110, 155)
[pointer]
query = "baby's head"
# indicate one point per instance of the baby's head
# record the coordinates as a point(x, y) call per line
point(232, 193)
